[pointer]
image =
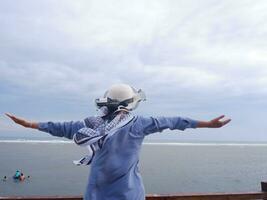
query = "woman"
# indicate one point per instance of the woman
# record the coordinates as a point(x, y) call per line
point(114, 139)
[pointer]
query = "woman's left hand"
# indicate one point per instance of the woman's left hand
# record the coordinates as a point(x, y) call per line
point(214, 123)
point(218, 123)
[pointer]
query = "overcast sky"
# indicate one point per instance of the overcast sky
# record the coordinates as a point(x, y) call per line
point(193, 58)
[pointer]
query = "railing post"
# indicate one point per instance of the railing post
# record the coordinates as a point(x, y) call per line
point(264, 189)
point(264, 186)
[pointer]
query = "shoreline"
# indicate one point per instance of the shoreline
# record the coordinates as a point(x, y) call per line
point(152, 142)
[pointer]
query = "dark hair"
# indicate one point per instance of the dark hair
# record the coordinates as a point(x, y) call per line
point(112, 108)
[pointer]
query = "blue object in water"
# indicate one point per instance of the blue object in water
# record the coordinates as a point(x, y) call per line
point(17, 175)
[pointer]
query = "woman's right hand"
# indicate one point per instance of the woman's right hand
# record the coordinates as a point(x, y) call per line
point(22, 122)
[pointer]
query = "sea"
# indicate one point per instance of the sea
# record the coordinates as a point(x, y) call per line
point(166, 167)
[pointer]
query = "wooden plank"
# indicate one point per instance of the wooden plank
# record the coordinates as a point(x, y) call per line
point(41, 198)
point(209, 196)
point(213, 196)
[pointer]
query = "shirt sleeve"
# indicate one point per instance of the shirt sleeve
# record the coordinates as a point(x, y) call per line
point(147, 125)
point(61, 129)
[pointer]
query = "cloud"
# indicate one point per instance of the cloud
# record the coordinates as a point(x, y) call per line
point(177, 51)
point(46, 77)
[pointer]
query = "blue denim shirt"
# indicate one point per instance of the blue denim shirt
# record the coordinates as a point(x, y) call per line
point(114, 169)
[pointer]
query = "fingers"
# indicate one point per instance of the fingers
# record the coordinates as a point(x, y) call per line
point(9, 115)
point(217, 122)
point(226, 121)
point(218, 118)
point(17, 120)
point(14, 118)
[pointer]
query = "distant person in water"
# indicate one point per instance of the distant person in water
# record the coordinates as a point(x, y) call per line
point(22, 177)
point(17, 175)
point(114, 138)
point(5, 178)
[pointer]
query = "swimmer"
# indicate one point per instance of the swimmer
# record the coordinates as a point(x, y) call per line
point(22, 177)
point(17, 175)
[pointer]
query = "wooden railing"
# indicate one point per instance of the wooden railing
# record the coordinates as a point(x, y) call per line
point(207, 196)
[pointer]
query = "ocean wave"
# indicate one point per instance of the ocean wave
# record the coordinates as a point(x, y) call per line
point(145, 143)
point(35, 141)
point(204, 144)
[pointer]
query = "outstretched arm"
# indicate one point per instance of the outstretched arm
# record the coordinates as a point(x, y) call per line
point(147, 125)
point(59, 129)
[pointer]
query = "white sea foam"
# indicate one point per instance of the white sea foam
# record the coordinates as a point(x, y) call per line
point(204, 144)
point(35, 141)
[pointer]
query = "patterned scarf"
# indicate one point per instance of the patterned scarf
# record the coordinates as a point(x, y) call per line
point(97, 131)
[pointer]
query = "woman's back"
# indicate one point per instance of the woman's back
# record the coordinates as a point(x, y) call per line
point(114, 169)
